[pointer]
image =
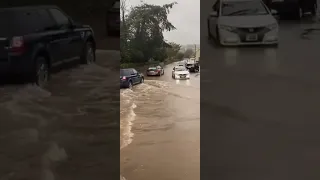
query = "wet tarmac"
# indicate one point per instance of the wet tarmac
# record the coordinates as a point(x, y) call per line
point(260, 107)
point(62, 131)
point(160, 129)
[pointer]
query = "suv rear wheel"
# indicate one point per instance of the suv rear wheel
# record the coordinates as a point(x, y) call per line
point(41, 74)
point(88, 56)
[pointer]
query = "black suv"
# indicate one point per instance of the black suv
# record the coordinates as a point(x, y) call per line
point(35, 39)
point(294, 8)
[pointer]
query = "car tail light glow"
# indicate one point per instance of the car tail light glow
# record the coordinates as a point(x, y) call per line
point(124, 78)
point(17, 44)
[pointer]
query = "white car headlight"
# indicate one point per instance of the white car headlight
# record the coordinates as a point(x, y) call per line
point(273, 26)
point(227, 28)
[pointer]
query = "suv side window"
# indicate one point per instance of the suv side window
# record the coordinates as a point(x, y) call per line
point(134, 71)
point(46, 19)
point(60, 18)
point(26, 22)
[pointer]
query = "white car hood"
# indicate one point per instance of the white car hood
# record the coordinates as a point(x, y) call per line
point(247, 21)
point(181, 72)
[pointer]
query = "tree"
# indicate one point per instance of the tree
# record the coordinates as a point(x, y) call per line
point(188, 53)
point(173, 49)
point(179, 56)
point(142, 33)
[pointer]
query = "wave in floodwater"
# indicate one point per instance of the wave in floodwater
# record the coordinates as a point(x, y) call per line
point(126, 127)
point(128, 102)
point(127, 106)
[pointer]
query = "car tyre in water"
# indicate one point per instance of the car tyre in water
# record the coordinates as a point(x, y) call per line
point(130, 85)
point(218, 37)
point(209, 34)
point(88, 55)
point(42, 73)
point(142, 80)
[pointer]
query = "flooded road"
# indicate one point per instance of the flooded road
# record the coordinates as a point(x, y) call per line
point(160, 129)
point(63, 130)
point(260, 107)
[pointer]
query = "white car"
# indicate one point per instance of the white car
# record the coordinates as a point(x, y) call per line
point(180, 72)
point(242, 22)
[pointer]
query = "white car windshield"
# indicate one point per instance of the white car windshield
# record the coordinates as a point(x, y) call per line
point(180, 69)
point(243, 8)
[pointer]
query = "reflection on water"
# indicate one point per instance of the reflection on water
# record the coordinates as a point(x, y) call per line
point(270, 58)
point(230, 55)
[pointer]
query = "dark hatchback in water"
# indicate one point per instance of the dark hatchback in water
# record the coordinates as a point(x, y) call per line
point(130, 77)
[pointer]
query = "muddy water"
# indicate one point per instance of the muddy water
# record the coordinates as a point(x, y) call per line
point(160, 129)
point(63, 130)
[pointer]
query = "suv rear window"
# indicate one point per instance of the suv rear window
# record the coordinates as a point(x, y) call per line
point(125, 72)
point(19, 22)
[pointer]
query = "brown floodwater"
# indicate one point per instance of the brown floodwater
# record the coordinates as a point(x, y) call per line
point(160, 129)
point(61, 131)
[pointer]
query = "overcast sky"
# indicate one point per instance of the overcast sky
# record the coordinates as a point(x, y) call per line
point(185, 16)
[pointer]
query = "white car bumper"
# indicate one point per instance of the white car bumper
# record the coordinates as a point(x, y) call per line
point(228, 38)
point(177, 76)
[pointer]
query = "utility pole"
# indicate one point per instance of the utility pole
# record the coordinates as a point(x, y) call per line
point(195, 50)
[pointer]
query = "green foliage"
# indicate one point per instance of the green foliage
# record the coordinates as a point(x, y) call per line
point(189, 53)
point(179, 56)
point(141, 36)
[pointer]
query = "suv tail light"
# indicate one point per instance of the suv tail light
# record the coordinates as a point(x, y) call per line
point(17, 44)
point(124, 78)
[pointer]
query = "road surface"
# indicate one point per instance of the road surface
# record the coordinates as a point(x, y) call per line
point(260, 108)
point(160, 129)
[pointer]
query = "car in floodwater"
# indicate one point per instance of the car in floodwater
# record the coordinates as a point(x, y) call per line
point(155, 71)
point(293, 8)
point(242, 22)
point(130, 77)
point(180, 72)
point(192, 66)
point(36, 39)
point(182, 64)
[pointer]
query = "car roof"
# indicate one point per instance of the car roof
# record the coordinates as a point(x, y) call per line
point(19, 8)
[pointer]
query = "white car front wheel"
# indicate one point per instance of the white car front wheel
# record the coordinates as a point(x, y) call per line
point(218, 36)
